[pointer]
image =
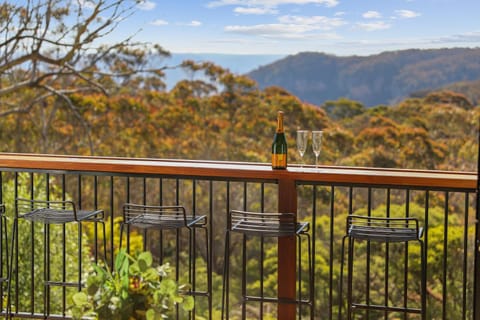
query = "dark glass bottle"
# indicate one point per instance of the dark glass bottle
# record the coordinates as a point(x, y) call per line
point(279, 145)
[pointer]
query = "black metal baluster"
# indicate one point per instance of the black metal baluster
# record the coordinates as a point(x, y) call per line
point(262, 253)
point(64, 251)
point(112, 211)
point(367, 280)
point(313, 251)
point(445, 252)
point(127, 233)
point(211, 250)
point(95, 226)
point(161, 231)
point(465, 257)
point(244, 260)
point(47, 251)
point(425, 239)
point(177, 241)
point(330, 275)
point(32, 254)
point(405, 279)
point(144, 201)
point(387, 258)
point(193, 253)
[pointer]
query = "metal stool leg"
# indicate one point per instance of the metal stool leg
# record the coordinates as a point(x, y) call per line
point(424, 280)
point(340, 286)
point(5, 278)
point(226, 265)
point(310, 277)
point(244, 277)
point(209, 275)
point(10, 267)
point(299, 268)
point(351, 243)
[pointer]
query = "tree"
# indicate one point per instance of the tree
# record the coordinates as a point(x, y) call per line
point(343, 108)
point(53, 48)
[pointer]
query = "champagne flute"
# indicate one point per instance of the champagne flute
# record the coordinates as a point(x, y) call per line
point(317, 144)
point(302, 141)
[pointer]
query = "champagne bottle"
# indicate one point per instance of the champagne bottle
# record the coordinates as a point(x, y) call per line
point(279, 145)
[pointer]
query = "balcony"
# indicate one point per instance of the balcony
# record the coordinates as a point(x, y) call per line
point(444, 202)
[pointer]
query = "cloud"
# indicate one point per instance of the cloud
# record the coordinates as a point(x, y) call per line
point(254, 10)
point(374, 46)
point(315, 22)
point(194, 23)
point(146, 5)
point(279, 31)
point(372, 15)
point(159, 22)
point(407, 14)
point(269, 3)
point(460, 38)
point(374, 26)
point(292, 27)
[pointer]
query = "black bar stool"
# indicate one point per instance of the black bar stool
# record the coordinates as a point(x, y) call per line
point(53, 212)
point(171, 218)
point(384, 230)
point(266, 225)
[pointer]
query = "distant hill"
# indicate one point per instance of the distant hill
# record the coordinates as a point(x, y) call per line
point(236, 63)
point(385, 78)
point(471, 90)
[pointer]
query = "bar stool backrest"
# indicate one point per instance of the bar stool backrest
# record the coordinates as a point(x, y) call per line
point(46, 210)
point(262, 224)
point(145, 214)
point(383, 229)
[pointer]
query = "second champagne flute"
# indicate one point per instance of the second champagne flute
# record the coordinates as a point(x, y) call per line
point(317, 144)
point(302, 141)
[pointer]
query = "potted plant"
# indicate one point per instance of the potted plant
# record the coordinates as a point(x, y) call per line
point(133, 290)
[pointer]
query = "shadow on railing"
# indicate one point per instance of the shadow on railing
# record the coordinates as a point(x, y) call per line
point(444, 203)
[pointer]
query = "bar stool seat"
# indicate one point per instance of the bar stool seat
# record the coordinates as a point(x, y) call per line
point(266, 225)
point(160, 217)
point(383, 230)
point(60, 216)
point(170, 218)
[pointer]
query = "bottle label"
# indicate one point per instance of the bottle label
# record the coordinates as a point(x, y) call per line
point(279, 160)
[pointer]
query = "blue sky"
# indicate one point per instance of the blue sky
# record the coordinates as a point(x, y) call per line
point(341, 27)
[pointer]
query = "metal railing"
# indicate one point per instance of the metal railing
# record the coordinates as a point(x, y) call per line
point(444, 202)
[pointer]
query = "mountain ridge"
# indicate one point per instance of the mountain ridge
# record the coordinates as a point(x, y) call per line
point(383, 78)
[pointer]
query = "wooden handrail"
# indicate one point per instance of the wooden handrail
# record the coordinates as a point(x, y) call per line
point(242, 170)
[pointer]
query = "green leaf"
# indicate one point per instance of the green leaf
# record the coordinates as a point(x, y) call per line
point(150, 275)
point(80, 299)
point(188, 303)
point(121, 262)
point(134, 269)
point(145, 260)
point(168, 286)
point(150, 314)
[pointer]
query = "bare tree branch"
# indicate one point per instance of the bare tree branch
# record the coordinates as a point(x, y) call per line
point(40, 44)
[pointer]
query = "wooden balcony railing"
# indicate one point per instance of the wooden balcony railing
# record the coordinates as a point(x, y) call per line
point(290, 190)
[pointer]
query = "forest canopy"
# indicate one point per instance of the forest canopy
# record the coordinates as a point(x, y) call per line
point(65, 92)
